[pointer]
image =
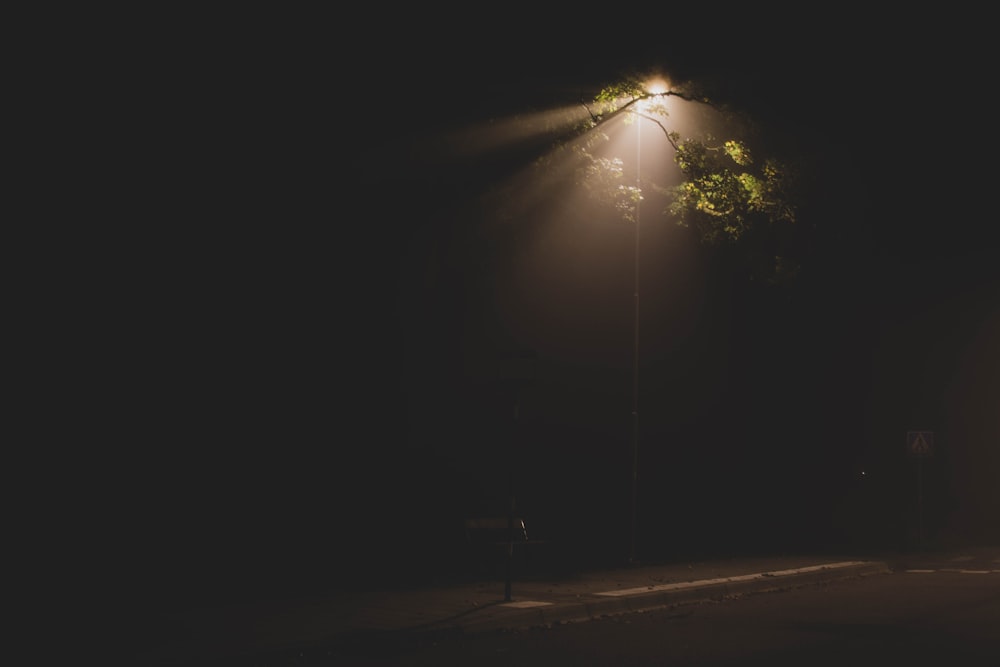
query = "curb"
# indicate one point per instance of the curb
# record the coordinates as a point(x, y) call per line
point(513, 619)
point(696, 592)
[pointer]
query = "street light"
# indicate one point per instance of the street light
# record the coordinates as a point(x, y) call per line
point(655, 88)
point(635, 337)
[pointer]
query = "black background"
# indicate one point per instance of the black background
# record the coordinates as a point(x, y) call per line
point(285, 353)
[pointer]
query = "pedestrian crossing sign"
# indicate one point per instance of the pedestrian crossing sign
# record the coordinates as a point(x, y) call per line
point(920, 443)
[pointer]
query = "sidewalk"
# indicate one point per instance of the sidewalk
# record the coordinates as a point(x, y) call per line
point(230, 635)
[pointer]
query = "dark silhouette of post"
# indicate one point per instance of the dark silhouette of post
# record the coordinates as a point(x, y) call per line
point(516, 370)
point(920, 445)
point(510, 529)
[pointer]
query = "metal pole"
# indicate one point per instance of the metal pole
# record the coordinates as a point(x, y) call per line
point(510, 541)
point(510, 510)
point(920, 504)
point(635, 340)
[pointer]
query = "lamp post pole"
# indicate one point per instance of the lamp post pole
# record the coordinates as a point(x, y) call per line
point(635, 340)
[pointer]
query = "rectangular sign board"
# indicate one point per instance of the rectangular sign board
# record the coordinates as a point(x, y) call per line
point(920, 443)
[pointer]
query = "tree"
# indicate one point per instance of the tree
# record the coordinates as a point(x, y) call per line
point(728, 195)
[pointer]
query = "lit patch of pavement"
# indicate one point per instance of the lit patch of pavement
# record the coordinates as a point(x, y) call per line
point(725, 580)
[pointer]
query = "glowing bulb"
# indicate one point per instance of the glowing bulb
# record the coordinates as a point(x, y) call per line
point(657, 86)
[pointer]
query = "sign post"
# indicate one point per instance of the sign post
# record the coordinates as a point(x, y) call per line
point(920, 445)
point(517, 369)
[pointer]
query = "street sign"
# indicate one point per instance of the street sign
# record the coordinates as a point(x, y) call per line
point(920, 443)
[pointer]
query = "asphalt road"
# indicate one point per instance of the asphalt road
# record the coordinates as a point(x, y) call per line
point(931, 611)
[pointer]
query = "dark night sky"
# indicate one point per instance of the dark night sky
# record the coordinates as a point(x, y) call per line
point(307, 372)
